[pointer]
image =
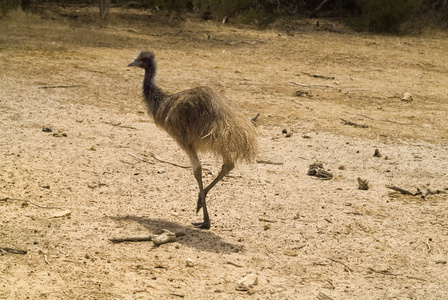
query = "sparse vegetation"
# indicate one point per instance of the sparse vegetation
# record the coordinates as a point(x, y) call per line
point(379, 16)
point(384, 15)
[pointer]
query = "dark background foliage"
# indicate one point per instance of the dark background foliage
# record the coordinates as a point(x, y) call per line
point(379, 16)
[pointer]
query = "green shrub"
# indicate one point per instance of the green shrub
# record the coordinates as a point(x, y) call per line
point(384, 15)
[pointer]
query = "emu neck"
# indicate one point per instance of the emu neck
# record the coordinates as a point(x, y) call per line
point(152, 94)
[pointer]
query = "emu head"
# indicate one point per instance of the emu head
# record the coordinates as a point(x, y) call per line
point(146, 61)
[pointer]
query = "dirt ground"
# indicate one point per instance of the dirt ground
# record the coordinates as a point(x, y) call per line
point(65, 193)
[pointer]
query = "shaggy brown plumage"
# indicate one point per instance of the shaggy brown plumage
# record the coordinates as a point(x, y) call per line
point(199, 120)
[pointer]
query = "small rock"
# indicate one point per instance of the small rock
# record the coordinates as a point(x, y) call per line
point(363, 184)
point(377, 153)
point(249, 280)
point(160, 171)
point(62, 213)
point(189, 262)
point(290, 253)
point(407, 97)
point(47, 129)
point(242, 288)
point(442, 262)
point(300, 93)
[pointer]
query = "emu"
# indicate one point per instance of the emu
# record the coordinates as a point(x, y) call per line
point(199, 120)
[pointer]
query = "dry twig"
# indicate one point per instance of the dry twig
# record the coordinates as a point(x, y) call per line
point(28, 201)
point(313, 85)
point(340, 262)
point(3, 250)
point(59, 86)
point(118, 124)
point(354, 124)
point(233, 264)
point(262, 161)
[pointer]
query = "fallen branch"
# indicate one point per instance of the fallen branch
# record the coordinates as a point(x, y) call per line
point(131, 239)
point(354, 124)
point(397, 189)
point(140, 239)
point(419, 192)
point(28, 201)
point(12, 250)
point(317, 169)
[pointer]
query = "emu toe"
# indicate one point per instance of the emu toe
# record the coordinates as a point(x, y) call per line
point(202, 225)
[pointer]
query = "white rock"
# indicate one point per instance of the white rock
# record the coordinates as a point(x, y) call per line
point(189, 262)
point(248, 280)
point(62, 213)
point(407, 97)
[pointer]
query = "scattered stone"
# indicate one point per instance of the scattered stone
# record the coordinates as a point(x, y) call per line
point(407, 97)
point(189, 262)
point(62, 213)
point(59, 134)
point(249, 280)
point(47, 129)
point(363, 184)
point(322, 296)
point(242, 288)
point(377, 153)
point(290, 253)
point(300, 93)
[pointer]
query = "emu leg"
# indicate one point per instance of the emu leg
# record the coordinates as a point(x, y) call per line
point(197, 171)
point(225, 169)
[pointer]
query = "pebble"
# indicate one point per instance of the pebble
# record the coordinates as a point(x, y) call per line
point(189, 262)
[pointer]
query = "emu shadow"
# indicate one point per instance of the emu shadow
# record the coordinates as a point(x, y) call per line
point(198, 239)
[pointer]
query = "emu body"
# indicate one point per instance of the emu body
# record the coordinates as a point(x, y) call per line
point(199, 120)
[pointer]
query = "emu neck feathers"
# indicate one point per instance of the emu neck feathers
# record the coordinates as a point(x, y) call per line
point(152, 94)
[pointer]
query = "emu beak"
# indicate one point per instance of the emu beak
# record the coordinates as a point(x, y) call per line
point(134, 64)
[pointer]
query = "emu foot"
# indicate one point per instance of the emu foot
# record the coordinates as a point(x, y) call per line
point(202, 225)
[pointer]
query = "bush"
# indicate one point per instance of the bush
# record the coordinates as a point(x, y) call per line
point(384, 15)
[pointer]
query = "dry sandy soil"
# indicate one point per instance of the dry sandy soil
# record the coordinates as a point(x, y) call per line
point(65, 193)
